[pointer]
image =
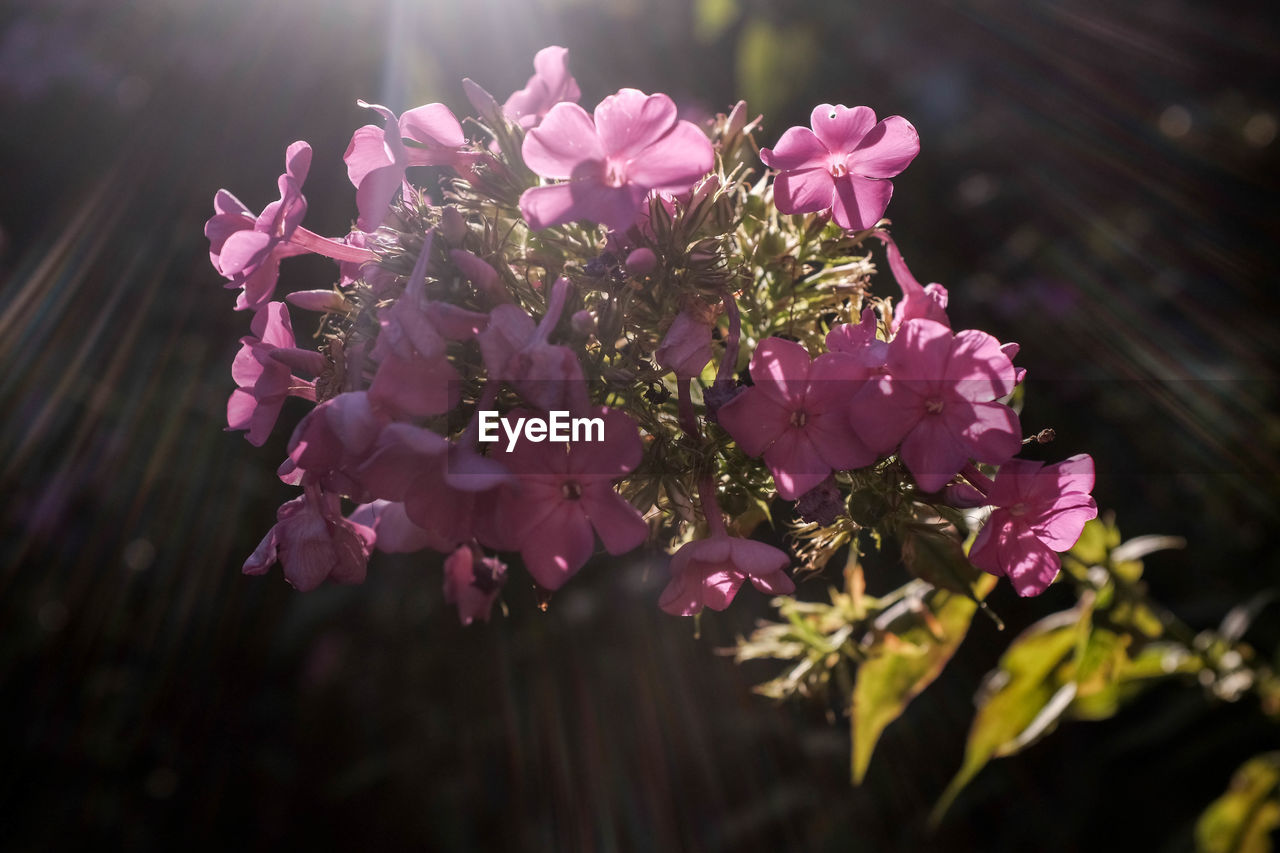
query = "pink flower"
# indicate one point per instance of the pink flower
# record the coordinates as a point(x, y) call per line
point(928, 302)
point(263, 371)
point(1040, 510)
point(377, 157)
point(686, 347)
point(314, 543)
point(445, 488)
point(796, 415)
point(634, 145)
point(396, 534)
point(472, 582)
point(247, 249)
point(842, 164)
point(937, 400)
point(334, 438)
point(709, 572)
point(565, 491)
point(859, 340)
point(515, 350)
point(551, 84)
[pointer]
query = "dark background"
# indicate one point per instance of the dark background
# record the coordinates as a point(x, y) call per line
point(1096, 181)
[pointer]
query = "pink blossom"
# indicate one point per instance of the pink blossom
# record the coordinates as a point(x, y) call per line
point(248, 249)
point(377, 157)
point(937, 400)
point(515, 350)
point(842, 164)
point(263, 371)
point(551, 84)
point(796, 415)
point(859, 340)
point(334, 438)
point(1040, 510)
point(709, 572)
point(928, 302)
point(415, 377)
point(686, 347)
point(396, 533)
point(564, 492)
point(444, 487)
point(635, 144)
point(472, 582)
point(314, 543)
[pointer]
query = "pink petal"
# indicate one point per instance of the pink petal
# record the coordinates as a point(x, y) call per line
point(756, 559)
point(375, 194)
point(977, 368)
point(418, 387)
point(989, 432)
point(773, 583)
point(297, 161)
point(564, 141)
point(886, 150)
point(884, 411)
point(840, 128)
point(780, 369)
point(631, 121)
point(244, 249)
point(559, 547)
point(433, 125)
point(860, 202)
point(616, 456)
point(799, 148)
point(551, 64)
point(1060, 529)
point(841, 447)
point(720, 585)
point(1075, 474)
point(366, 152)
point(796, 464)
point(985, 550)
point(620, 525)
point(932, 453)
point(920, 353)
point(806, 191)
point(674, 162)
point(754, 420)
point(1029, 564)
point(403, 454)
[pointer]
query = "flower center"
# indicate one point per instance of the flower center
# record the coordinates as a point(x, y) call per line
point(1018, 509)
point(933, 405)
point(799, 418)
point(837, 168)
point(571, 490)
point(615, 174)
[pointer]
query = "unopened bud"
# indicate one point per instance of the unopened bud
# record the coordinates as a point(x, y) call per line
point(583, 322)
point(641, 262)
point(452, 225)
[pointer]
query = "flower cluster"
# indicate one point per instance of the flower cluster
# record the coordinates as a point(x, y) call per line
point(643, 278)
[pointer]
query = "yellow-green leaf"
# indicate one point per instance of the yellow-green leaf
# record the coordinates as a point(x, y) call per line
point(1243, 819)
point(1023, 691)
point(889, 681)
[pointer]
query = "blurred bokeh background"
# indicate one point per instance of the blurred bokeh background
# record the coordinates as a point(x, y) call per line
point(1096, 180)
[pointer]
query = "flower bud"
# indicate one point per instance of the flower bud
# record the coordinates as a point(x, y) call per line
point(686, 348)
point(641, 262)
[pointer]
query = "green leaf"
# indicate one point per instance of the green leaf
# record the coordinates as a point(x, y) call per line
point(890, 680)
point(774, 62)
point(934, 556)
point(1013, 714)
point(1099, 536)
point(713, 17)
point(1243, 819)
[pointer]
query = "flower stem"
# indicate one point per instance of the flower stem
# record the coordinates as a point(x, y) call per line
point(335, 249)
